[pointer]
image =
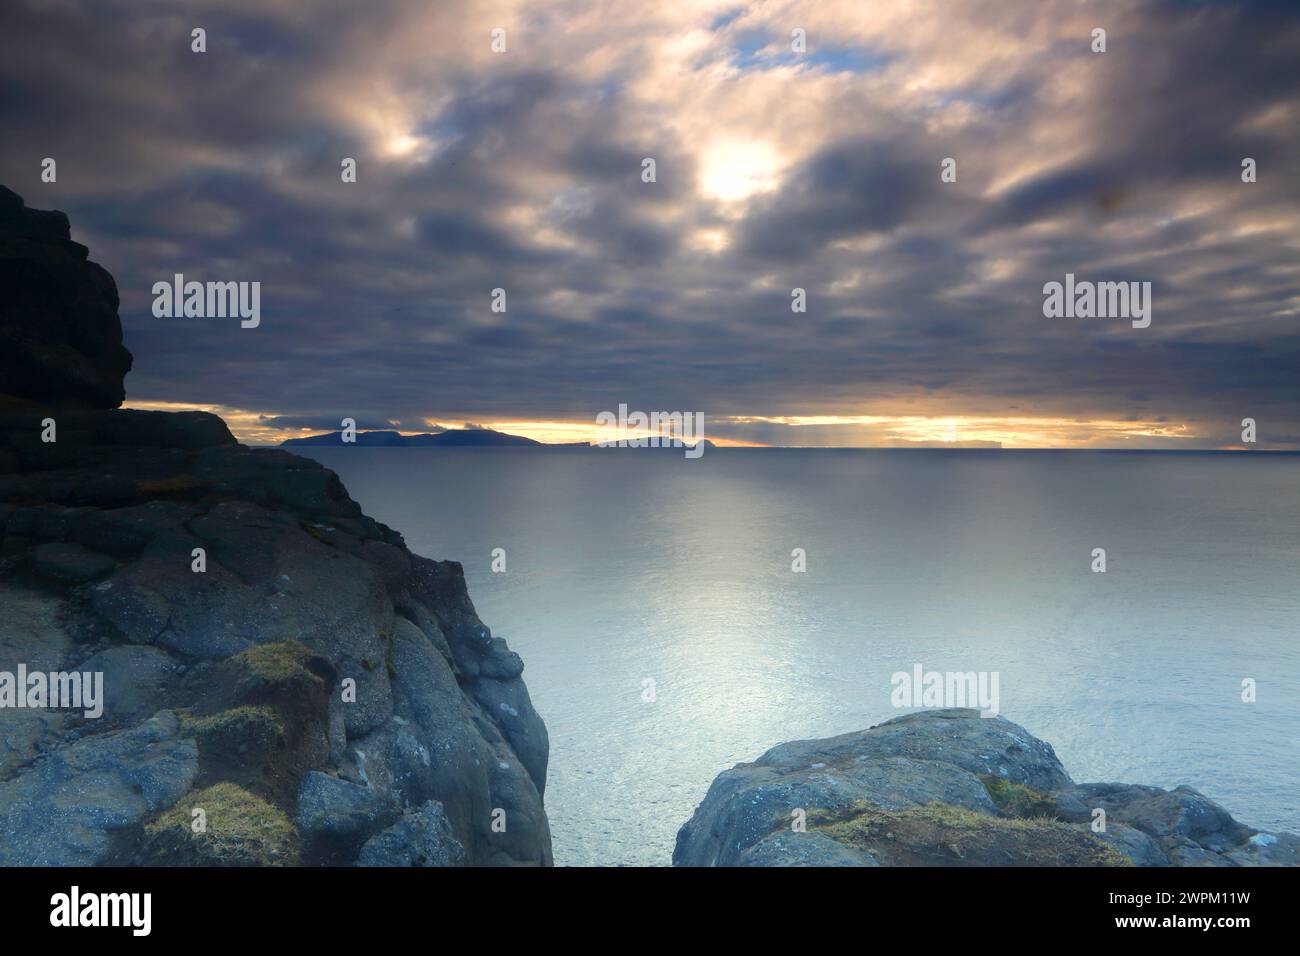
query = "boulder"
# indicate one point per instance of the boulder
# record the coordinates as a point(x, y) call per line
point(70, 562)
point(136, 680)
point(335, 816)
point(422, 838)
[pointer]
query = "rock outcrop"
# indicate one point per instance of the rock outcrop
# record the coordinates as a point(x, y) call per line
point(274, 662)
point(950, 788)
point(60, 337)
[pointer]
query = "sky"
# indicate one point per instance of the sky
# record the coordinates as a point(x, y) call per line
point(775, 169)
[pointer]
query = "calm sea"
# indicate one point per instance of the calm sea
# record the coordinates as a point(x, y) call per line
point(630, 566)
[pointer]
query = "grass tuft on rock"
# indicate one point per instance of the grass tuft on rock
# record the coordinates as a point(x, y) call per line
point(940, 834)
point(240, 829)
point(258, 727)
point(1017, 800)
point(278, 668)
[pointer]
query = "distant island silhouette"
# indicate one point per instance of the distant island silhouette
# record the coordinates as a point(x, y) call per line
point(451, 438)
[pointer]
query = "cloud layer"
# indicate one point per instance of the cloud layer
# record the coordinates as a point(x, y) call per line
point(775, 169)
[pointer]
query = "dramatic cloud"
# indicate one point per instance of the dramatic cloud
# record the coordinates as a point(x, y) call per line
point(775, 170)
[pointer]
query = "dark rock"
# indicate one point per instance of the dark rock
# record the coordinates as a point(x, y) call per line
point(137, 611)
point(60, 335)
point(188, 431)
point(441, 745)
point(422, 838)
point(784, 848)
point(30, 631)
point(491, 669)
point(126, 532)
point(71, 562)
point(338, 815)
point(106, 491)
point(44, 522)
point(507, 704)
point(65, 808)
point(275, 479)
point(1182, 812)
point(1134, 844)
point(136, 679)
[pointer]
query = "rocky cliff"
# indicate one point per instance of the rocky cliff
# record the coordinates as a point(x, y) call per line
point(60, 337)
point(283, 681)
point(950, 788)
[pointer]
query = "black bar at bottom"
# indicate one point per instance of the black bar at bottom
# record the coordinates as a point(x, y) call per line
point(336, 906)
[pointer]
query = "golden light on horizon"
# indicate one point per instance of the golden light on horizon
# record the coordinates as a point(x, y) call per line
point(1009, 431)
point(858, 431)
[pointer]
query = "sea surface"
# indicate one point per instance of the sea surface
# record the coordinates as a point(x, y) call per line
point(626, 566)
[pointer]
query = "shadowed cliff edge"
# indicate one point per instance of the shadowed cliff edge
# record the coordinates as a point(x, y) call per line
point(951, 788)
point(224, 689)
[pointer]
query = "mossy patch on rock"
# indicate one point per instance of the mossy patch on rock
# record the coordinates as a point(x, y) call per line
point(1018, 801)
point(278, 668)
point(389, 666)
point(939, 834)
point(239, 829)
point(240, 730)
point(315, 531)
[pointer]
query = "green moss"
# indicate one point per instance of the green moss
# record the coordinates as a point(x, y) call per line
point(257, 727)
point(940, 834)
point(315, 532)
point(1017, 800)
point(280, 670)
point(281, 660)
point(240, 829)
point(388, 657)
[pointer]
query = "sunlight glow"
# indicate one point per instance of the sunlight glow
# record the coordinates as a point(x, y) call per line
point(735, 169)
point(1009, 432)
